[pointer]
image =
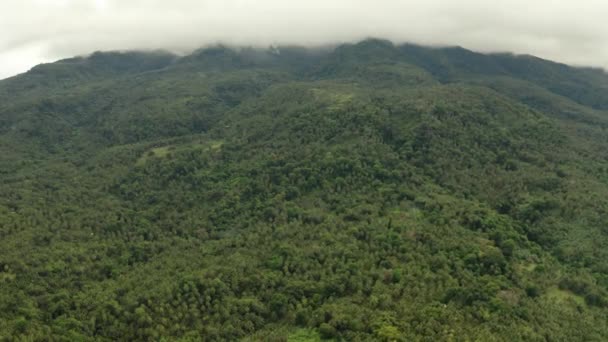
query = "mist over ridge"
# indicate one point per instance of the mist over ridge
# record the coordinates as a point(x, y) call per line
point(566, 31)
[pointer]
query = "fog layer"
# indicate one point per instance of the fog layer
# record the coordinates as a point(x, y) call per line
point(35, 31)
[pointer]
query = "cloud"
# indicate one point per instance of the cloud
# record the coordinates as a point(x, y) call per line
point(35, 31)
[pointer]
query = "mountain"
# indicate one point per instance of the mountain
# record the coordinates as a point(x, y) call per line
point(367, 191)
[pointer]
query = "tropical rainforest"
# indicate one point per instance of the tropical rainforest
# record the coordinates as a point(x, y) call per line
point(360, 192)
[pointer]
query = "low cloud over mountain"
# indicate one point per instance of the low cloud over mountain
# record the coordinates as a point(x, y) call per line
point(36, 31)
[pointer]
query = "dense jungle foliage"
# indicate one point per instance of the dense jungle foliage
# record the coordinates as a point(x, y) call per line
point(367, 192)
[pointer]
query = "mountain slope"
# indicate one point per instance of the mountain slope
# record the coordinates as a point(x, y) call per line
point(366, 192)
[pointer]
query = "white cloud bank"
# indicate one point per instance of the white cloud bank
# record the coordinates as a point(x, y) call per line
point(35, 31)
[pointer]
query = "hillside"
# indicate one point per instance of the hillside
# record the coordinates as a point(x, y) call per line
point(364, 192)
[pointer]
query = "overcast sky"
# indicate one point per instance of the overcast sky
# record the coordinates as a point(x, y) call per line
point(36, 31)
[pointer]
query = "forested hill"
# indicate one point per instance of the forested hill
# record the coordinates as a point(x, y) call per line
point(366, 192)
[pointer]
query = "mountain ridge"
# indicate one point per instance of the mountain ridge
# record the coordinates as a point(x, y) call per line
point(370, 192)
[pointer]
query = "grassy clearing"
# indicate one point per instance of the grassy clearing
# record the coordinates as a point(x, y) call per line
point(304, 335)
point(165, 151)
point(564, 296)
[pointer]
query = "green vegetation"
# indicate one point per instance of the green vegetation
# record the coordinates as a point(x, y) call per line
point(368, 192)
